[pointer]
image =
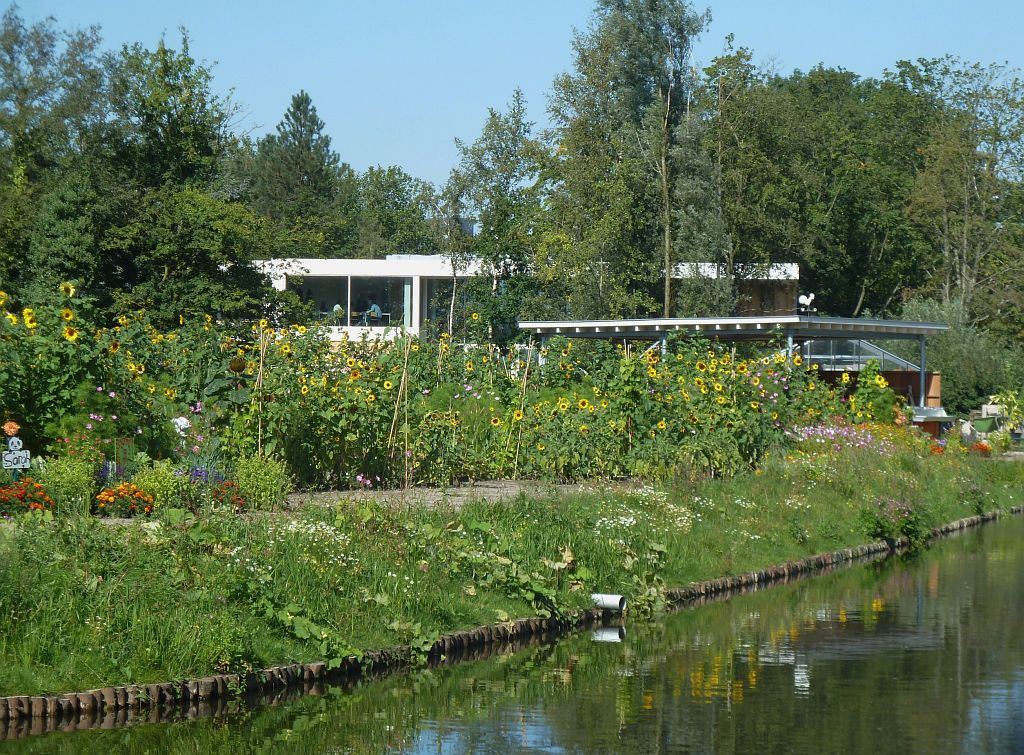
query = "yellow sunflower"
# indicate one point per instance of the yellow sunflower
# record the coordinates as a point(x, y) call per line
point(67, 289)
point(70, 334)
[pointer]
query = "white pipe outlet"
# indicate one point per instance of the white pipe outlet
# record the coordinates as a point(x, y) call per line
point(609, 602)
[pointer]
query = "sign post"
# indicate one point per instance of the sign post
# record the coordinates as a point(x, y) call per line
point(16, 457)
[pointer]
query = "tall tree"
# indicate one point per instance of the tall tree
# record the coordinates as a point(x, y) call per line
point(392, 218)
point(51, 97)
point(631, 89)
point(301, 185)
point(969, 196)
point(500, 172)
point(170, 126)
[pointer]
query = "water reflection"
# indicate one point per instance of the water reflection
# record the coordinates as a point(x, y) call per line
point(922, 656)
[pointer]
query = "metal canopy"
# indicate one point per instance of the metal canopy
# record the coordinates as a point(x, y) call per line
point(795, 327)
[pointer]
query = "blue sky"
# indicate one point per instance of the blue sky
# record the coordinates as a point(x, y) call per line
point(396, 82)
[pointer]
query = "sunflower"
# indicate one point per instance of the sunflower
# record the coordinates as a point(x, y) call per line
point(388, 385)
point(475, 316)
point(286, 349)
point(495, 421)
point(415, 347)
point(517, 415)
point(741, 368)
point(563, 405)
point(880, 381)
point(583, 403)
point(718, 387)
point(304, 390)
point(721, 400)
point(70, 334)
point(662, 424)
point(469, 365)
point(798, 360)
point(584, 429)
point(754, 405)
point(755, 380)
point(846, 377)
point(701, 366)
point(540, 446)
point(604, 403)
point(3, 298)
point(11, 318)
point(67, 315)
point(67, 289)
point(264, 324)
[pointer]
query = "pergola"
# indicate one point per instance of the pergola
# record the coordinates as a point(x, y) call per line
point(794, 328)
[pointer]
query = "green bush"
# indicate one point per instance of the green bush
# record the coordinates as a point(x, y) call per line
point(160, 482)
point(71, 483)
point(263, 481)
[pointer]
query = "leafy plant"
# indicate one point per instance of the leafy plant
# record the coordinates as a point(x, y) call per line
point(263, 482)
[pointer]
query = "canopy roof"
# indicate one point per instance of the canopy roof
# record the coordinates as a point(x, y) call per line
point(762, 328)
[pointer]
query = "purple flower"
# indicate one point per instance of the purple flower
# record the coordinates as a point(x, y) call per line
point(112, 394)
point(88, 425)
point(99, 389)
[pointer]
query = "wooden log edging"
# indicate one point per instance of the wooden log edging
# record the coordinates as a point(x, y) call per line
point(107, 707)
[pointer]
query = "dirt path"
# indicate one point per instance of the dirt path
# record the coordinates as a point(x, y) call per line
point(456, 497)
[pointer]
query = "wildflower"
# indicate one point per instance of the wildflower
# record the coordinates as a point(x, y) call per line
point(388, 385)
point(475, 316)
point(370, 398)
point(29, 315)
point(563, 405)
point(584, 429)
point(304, 390)
point(721, 400)
point(755, 380)
point(114, 347)
point(67, 289)
point(415, 347)
point(880, 381)
point(3, 298)
point(741, 368)
point(264, 324)
point(70, 334)
point(754, 405)
point(701, 366)
point(67, 315)
point(469, 365)
point(811, 386)
point(583, 403)
point(286, 349)
point(11, 318)
point(798, 360)
point(517, 415)
point(662, 424)
point(846, 377)
point(495, 421)
point(300, 329)
point(540, 446)
point(11, 428)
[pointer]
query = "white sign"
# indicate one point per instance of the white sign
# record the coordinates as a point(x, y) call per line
point(14, 457)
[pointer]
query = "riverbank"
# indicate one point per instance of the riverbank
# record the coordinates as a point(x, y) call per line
point(88, 606)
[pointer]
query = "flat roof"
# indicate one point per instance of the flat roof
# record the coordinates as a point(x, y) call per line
point(760, 328)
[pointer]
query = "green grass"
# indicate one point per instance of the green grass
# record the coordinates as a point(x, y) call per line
point(85, 603)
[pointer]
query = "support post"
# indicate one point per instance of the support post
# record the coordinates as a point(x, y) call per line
point(921, 374)
point(789, 344)
point(541, 359)
point(663, 339)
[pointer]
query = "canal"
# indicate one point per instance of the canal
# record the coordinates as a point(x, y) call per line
point(900, 656)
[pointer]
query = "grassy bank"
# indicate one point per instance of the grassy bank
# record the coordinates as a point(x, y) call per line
point(85, 603)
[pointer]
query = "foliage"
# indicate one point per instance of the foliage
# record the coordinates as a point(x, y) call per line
point(71, 482)
point(263, 482)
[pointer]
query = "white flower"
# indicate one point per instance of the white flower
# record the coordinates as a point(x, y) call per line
point(181, 424)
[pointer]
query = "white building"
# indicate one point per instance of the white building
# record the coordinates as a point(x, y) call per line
point(371, 296)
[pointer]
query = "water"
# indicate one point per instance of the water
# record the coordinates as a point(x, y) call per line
point(899, 656)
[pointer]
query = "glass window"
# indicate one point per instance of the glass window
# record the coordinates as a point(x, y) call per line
point(327, 294)
point(381, 302)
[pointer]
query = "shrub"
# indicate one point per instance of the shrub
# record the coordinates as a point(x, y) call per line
point(71, 482)
point(160, 482)
point(263, 481)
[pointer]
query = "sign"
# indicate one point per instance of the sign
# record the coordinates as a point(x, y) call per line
point(15, 457)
